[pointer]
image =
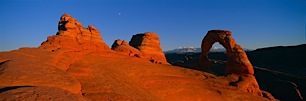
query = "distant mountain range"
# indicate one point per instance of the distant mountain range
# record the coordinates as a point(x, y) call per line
point(197, 50)
point(184, 50)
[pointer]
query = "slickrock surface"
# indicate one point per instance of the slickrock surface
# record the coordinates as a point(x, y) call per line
point(35, 67)
point(39, 93)
point(75, 64)
point(238, 65)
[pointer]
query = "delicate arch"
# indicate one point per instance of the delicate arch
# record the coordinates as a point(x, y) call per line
point(237, 60)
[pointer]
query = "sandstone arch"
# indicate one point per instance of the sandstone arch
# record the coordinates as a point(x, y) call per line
point(237, 60)
point(238, 67)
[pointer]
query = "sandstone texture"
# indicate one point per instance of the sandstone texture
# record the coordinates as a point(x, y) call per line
point(238, 66)
point(145, 45)
point(35, 67)
point(76, 65)
point(148, 43)
point(40, 93)
point(237, 62)
point(124, 48)
point(72, 36)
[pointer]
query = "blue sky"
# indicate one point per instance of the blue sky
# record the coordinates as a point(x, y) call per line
point(254, 23)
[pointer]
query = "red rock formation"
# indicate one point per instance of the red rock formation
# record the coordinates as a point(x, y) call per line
point(125, 48)
point(145, 46)
point(149, 44)
point(74, 65)
point(72, 36)
point(53, 58)
point(116, 44)
point(237, 61)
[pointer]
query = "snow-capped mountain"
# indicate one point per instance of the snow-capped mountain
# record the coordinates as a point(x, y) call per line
point(194, 50)
point(184, 50)
point(197, 50)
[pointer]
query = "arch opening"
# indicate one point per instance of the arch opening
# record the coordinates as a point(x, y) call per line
point(217, 57)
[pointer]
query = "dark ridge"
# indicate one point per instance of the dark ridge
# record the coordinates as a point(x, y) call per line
point(281, 58)
point(12, 88)
point(302, 46)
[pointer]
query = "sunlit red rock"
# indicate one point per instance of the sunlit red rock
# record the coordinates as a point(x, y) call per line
point(72, 36)
point(75, 64)
point(237, 60)
point(125, 48)
point(35, 67)
point(39, 93)
point(145, 46)
point(148, 43)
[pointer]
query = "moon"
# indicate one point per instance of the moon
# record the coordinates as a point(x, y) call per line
point(119, 13)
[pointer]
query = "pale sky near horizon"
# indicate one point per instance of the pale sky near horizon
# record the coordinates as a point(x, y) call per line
point(254, 23)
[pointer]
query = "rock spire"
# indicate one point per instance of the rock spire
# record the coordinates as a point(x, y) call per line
point(71, 35)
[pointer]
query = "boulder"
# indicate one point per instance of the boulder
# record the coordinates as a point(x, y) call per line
point(145, 45)
point(148, 43)
point(245, 83)
point(116, 44)
point(124, 48)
